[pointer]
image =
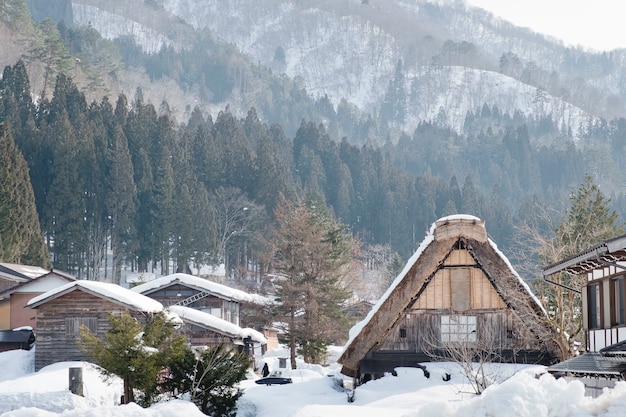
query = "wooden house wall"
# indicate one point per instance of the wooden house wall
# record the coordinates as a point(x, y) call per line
point(58, 321)
point(459, 287)
point(200, 336)
point(420, 331)
point(610, 324)
point(6, 283)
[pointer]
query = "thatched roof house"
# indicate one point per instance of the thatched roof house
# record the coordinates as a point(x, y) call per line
point(457, 289)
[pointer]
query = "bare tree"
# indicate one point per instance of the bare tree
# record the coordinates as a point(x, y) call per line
point(237, 219)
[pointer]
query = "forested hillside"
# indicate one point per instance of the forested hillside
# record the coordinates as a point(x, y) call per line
point(119, 162)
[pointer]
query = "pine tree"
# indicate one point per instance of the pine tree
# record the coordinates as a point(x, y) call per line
point(51, 52)
point(137, 353)
point(312, 255)
point(21, 240)
point(121, 202)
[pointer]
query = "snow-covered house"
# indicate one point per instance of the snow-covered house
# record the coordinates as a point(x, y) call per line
point(13, 300)
point(204, 329)
point(457, 289)
point(201, 294)
point(603, 314)
point(62, 310)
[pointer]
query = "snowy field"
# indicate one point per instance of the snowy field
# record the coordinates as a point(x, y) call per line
point(525, 392)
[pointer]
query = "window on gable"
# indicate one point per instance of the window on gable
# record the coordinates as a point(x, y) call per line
point(458, 328)
point(73, 324)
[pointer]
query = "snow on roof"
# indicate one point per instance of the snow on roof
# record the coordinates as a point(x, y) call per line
point(28, 271)
point(356, 329)
point(112, 292)
point(254, 335)
point(206, 320)
point(211, 322)
point(203, 284)
point(519, 278)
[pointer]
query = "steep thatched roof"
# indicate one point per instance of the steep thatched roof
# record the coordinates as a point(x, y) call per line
point(445, 235)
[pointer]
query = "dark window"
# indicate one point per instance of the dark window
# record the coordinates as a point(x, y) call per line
point(402, 332)
point(617, 298)
point(593, 300)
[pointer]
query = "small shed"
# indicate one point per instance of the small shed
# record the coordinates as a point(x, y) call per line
point(21, 338)
point(457, 289)
point(62, 311)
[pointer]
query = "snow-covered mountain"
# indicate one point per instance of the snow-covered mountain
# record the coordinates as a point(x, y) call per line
point(454, 58)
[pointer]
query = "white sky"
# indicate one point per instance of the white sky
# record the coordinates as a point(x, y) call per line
point(597, 24)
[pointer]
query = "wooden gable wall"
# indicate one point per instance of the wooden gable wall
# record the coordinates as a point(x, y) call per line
point(59, 320)
point(460, 286)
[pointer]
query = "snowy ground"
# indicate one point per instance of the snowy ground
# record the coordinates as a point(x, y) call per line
point(525, 392)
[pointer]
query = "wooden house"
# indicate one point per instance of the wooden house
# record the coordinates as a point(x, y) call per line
point(603, 314)
point(201, 294)
point(457, 289)
point(13, 300)
point(61, 312)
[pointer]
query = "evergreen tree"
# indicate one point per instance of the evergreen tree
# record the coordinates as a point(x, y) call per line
point(136, 353)
point(21, 240)
point(64, 210)
point(217, 372)
point(312, 255)
point(51, 51)
point(121, 200)
point(394, 105)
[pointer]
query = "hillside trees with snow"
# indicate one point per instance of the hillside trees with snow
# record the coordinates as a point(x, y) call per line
point(131, 181)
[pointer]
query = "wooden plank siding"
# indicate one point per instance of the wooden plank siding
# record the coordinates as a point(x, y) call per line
point(459, 288)
point(421, 331)
point(56, 342)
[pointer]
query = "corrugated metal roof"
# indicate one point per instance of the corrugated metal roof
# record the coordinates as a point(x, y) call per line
point(607, 252)
point(616, 349)
point(591, 364)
